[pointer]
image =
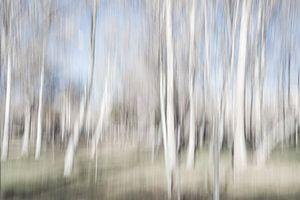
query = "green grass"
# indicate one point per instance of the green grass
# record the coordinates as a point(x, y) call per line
point(131, 174)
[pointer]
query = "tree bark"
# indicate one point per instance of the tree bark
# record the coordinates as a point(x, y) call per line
point(103, 111)
point(162, 96)
point(191, 145)
point(27, 123)
point(40, 112)
point(216, 157)
point(73, 141)
point(4, 153)
point(240, 157)
point(171, 143)
point(257, 99)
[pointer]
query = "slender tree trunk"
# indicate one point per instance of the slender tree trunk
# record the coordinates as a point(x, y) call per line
point(4, 153)
point(162, 111)
point(69, 110)
point(152, 133)
point(163, 124)
point(52, 122)
point(73, 141)
point(88, 128)
point(63, 119)
point(216, 157)
point(298, 111)
point(260, 132)
point(257, 80)
point(229, 95)
point(103, 111)
point(257, 111)
point(178, 137)
point(27, 123)
point(162, 98)
point(63, 126)
point(171, 143)
point(240, 156)
point(191, 145)
point(40, 112)
point(283, 74)
point(206, 77)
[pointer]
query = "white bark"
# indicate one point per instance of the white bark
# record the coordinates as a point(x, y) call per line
point(27, 122)
point(63, 126)
point(257, 107)
point(229, 92)
point(103, 111)
point(163, 114)
point(4, 153)
point(207, 61)
point(162, 98)
point(171, 143)
point(63, 117)
point(170, 87)
point(40, 112)
point(73, 141)
point(191, 145)
point(216, 157)
point(69, 110)
point(298, 110)
point(257, 79)
point(240, 157)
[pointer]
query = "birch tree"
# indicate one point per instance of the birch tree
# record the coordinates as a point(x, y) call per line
point(78, 125)
point(5, 139)
point(47, 13)
point(7, 42)
point(171, 143)
point(192, 136)
point(162, 92)
point(105, 108)
point(240, 157)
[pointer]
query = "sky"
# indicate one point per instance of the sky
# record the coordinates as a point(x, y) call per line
point(118, 34)
point(121, 33)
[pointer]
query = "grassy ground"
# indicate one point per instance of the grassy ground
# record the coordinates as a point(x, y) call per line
point(132, 174)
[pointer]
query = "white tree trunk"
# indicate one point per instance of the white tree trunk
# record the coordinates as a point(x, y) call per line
point(171, 143)
point(63, 126)
point(257, 80)
point(69, 111)
point(40, 112)
point(103, 111)
point(217, 129)
point(164, 131)
point(207, 60)
point(298, 110)
point(73, 141)
point(63, 118)
point(229, 93)
point(257, 108)
point(25, 143)
point(163, 114)
point(5, 139)
point(191, 145)
point(240, 157)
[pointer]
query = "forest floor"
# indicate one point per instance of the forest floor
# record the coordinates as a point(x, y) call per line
point(131, 173)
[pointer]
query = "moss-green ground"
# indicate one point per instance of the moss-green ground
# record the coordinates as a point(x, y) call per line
point(132, 174)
